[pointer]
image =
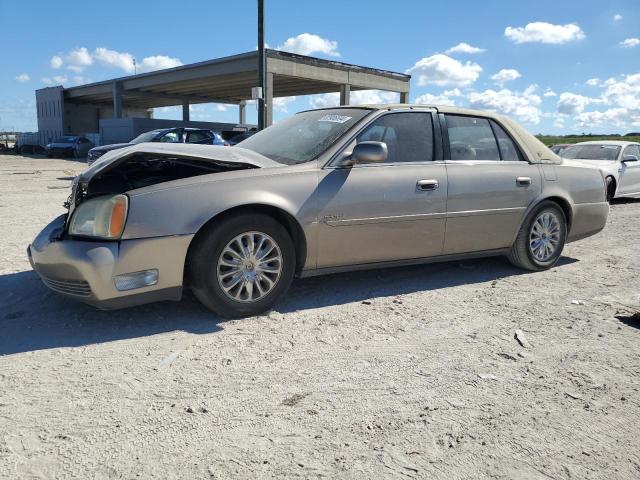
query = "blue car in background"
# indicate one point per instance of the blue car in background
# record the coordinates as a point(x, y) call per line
point(163, 135)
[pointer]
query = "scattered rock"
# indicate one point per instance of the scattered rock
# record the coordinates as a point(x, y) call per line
point(293, 400)
point(487, 376)
point(366, 302)
point(189, 410)
point(577, 302)
point(575, 396)
point(522, 340)
point(507, 356)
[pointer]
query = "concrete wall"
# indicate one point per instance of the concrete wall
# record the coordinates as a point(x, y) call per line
point(50, 108)
point(122, 130)
point(82, 118)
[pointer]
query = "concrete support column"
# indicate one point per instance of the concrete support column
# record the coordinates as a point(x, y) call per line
point(268, 101)
point(345, 94)
point(117, 100)
point(404, 97)
point(185, 110)
point(242, 112)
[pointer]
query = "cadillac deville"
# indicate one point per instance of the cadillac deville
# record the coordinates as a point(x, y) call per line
point(324, 191)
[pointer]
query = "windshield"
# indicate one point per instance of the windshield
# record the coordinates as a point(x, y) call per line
point(591, 152)
point(66, 140)
point(304, 136)
point(146, 137)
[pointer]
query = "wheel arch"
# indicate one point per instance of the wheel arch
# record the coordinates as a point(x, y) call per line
point(287, 220)
point(563, 203)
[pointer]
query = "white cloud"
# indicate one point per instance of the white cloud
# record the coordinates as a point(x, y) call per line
point(56, 79)
point(280, 103)
point(442, 70)
point(593, 82)
point(221, 107)
point(523, 105)
point(112, 58)
point(358, 97)
point(620, 99)
point(23, 77)
point(445, 98)
point(623, 93)
point(571, 103)
point(618, 117)
point(125, 61)
point(463, 47)
point(543, 32)
point(549, 93)
point(79, 59)
point(80, 80)
point(308, 43)
point(617, 17)
point(505, 75)
point(630, 43)
point(157, 62)
point(56, 62)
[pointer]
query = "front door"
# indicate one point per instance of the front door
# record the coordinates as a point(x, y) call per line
point(630, 174)
point(389, 211)
point(490, 185)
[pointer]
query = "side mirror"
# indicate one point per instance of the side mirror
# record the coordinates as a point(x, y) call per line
point(630, 158)
point(369, 152)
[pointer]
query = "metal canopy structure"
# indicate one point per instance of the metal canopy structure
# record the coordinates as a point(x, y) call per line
point(229, 80)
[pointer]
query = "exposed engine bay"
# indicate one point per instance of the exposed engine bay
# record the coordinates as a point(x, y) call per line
point(146, 169)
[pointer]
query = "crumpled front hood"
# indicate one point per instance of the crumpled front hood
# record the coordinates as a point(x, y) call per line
point(206, 153)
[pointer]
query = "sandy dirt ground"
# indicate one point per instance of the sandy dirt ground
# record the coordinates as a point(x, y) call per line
point(400, 373)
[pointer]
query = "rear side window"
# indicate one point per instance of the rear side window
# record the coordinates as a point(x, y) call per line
point(195, 137)
point(409, 136)
point(508, 150)
point(471, 138)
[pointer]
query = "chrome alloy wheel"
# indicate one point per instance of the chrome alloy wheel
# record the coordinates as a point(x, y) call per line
point(544, 236)
point(249, 267)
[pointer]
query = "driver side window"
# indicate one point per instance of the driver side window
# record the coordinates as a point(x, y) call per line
point(408, 135)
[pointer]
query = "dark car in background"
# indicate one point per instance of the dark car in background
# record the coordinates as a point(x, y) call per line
point(74, 146)
point(163, 135)
point(240, 137)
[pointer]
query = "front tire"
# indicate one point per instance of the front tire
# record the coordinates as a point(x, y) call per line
point(611, 189)
point(241, 266)
point(541, 238)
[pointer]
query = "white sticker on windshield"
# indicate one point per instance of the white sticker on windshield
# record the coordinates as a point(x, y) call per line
point(335, 118)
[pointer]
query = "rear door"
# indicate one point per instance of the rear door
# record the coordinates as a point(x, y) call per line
point(388, 211)
point(490, 184)
point(630, 175)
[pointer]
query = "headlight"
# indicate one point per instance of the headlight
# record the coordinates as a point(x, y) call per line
point(101, 217)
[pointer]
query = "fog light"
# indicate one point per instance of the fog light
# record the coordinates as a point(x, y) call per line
point(129, 281)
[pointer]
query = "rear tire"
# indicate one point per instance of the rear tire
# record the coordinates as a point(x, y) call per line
point(241, 266)
point(541, 238)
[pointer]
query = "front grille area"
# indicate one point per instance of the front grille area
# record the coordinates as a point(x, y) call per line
point(69, 287)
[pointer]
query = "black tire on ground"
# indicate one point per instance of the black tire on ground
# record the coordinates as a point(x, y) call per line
point(205, 253)
point(611, 188)
point(521, 254)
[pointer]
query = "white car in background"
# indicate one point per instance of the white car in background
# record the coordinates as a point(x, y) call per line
point(618, 161)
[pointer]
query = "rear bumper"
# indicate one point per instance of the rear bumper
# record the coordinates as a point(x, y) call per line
point(588, 219)
point(85, 270)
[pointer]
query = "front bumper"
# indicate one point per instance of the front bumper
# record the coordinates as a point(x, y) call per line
point(85, 270)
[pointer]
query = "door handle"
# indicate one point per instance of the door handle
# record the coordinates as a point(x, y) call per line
point(427, 185)
point(523, 181)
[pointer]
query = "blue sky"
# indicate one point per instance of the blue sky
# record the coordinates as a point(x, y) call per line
point(555, 66)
